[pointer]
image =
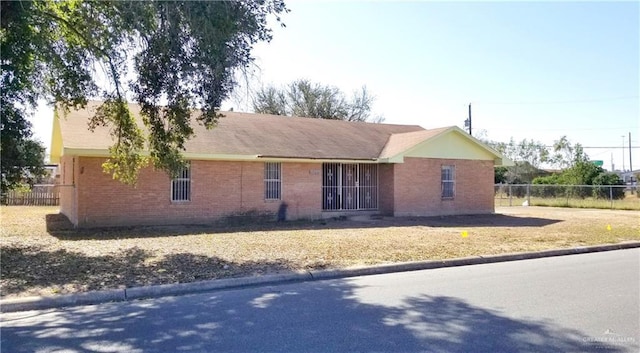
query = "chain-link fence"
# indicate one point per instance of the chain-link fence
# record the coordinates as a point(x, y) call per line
point(624, 197)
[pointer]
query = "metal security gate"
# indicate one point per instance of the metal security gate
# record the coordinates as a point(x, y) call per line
point(349, 186)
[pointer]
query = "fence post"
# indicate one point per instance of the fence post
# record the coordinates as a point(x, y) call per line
point(510, 196)
point(611, 195)
point(529, 194)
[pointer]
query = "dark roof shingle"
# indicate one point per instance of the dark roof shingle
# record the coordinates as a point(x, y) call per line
point(256, 134)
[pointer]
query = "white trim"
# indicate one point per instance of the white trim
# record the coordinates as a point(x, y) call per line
point(449, 181)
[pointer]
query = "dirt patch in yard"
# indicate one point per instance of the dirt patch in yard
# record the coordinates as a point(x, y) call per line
point(41, 255)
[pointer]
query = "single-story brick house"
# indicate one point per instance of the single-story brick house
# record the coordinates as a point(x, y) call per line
point(255, 162)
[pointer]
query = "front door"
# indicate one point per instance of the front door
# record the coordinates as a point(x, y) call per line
point(349, 186)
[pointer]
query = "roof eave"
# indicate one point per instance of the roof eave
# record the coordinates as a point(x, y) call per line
point(87, 152)
point(395, 159)
point(318, 160)
point(503, 162)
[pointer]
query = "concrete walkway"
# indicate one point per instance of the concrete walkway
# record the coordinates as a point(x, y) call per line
point(127, 294)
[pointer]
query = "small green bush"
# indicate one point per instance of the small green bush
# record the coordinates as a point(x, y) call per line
point(603, 191)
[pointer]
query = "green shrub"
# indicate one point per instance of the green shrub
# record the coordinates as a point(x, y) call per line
point(603, 191)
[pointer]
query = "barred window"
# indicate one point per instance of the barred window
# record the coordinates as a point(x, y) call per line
point(448, 178)
point(181, 185)
point(272, 181)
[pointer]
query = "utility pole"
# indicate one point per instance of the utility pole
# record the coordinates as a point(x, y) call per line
point(630, 163)
point(623, 153)
point(613, 166)
point(467, 123)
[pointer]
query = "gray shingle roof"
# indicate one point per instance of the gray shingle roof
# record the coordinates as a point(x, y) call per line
point(261, 134)
point(249, 136)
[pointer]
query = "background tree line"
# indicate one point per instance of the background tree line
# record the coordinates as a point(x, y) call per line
point(573, 165)
point(304, 98)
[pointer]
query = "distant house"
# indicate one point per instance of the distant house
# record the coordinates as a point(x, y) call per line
point(255, 163)
point(629, 177)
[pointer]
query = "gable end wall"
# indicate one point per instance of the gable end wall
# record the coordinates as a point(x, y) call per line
point(68, 186)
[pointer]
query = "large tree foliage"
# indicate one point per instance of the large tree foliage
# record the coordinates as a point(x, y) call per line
point(169, 56)
point(314, 100)
point(22, 158)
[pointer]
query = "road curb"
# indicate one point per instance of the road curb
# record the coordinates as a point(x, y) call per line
point(59, 301)
point(465, 261)
point(165, 290)
point(156, 291)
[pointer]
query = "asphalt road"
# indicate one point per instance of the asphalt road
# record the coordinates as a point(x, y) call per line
point(578, 303)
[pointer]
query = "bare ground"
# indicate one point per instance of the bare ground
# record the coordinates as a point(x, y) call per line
point(40, 255)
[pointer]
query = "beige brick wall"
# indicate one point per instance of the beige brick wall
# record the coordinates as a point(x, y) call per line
point(386, 189)
point(222, 188)
point(302, 189)
point(417, 187)
point(218, 189)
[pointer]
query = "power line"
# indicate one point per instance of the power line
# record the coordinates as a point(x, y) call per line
point(559, 129)
point(625, 147)
point(589, 100)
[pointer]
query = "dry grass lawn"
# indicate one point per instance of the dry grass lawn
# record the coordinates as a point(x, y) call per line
point(37, 261)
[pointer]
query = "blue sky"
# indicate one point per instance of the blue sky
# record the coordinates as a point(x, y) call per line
point(536, 70)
